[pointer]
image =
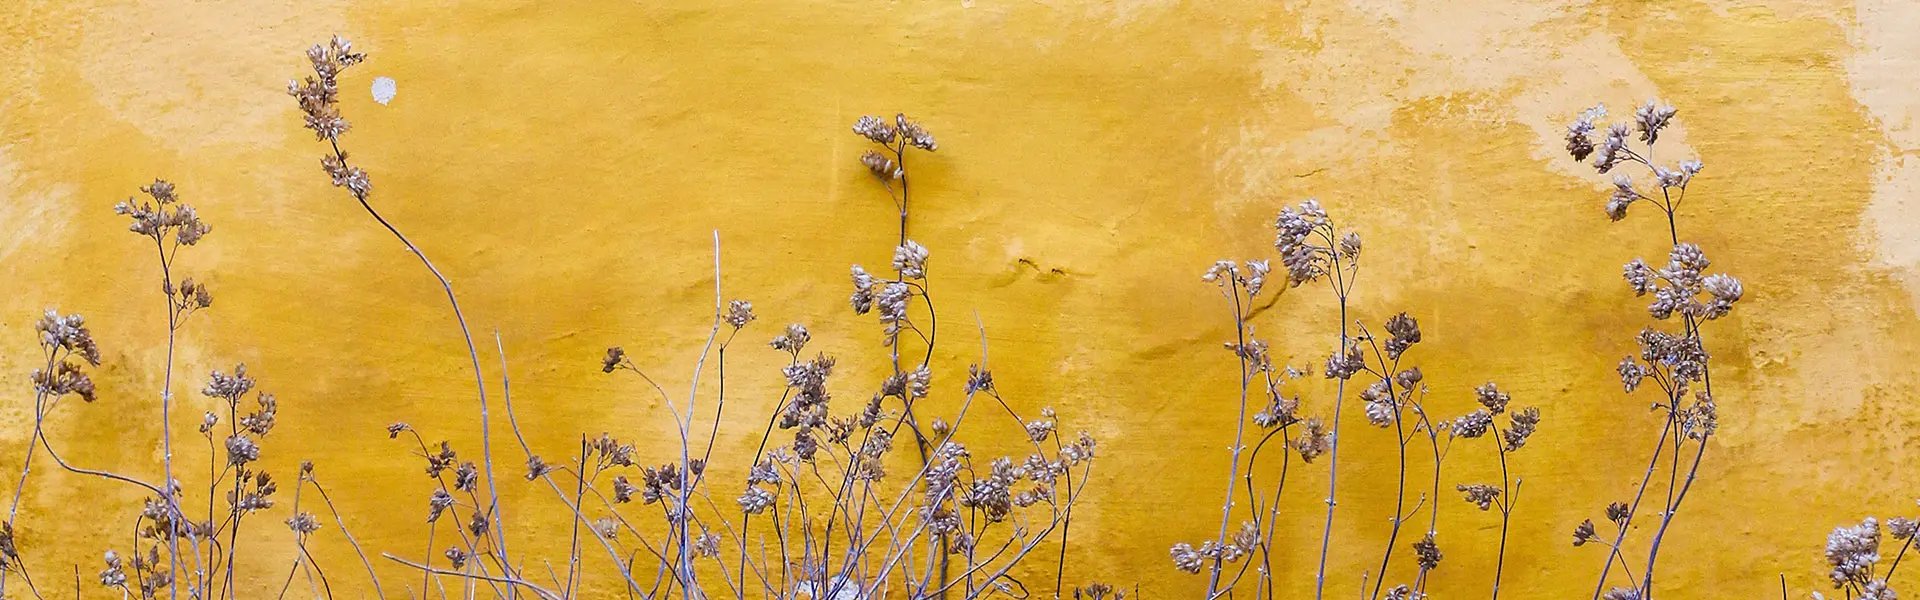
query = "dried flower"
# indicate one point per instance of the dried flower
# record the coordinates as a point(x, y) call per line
point(1584, 533)
point(874, 128)
point(1621, 594)
point(1490, 396)
point(881, 166)
point(1472, 425)
point(303, 523)
point(1313, 442)
point(1631, 374)
point(241, 450)
point(115, 574)
point(1382, 407)
point(1852, 552)
point(438, 503)
point(605, 528)
point(67, 378)
point(1580, 132)
point(1342, 365)
point(1651, 118)
point(623, 490)
point(756, 500)
point(1186, 559)
point(1294, 238)
point(1613, 150)
point(537, 468)
point(1098, 591)
point(319, 95)
point(910, 259)
point(614, 358)
point(228, 387)
point(1479, 494)
point(466, 477)
point(793, 340)
point(1427, 552)
point(979, 379)
point(1700, 420)
point(164, 216)
point(914, 134)
point(1623, 196)
point(1619, 512)
point(67, 333)
point(739, 313)
point(706, 544)
point(1405, 331)
point(1521, 425)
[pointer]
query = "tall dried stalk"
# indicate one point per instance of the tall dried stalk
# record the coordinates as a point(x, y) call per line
point(1676, 361)
point(319, 97)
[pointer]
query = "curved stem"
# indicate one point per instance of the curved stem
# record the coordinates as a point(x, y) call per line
point(473, 355)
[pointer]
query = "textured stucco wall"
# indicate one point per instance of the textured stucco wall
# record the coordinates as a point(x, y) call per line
point(565, 163)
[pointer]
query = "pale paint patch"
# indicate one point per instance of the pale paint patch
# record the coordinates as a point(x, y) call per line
point(34, 215)
point(1882, 74)
point(146, 63)
point(1534, 65)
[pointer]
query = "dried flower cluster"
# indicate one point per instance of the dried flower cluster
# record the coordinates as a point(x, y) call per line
point(1393, 395)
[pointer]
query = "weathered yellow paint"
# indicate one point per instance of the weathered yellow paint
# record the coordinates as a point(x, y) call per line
point(565, 164)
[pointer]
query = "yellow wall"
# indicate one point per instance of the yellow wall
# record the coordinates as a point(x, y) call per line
point(565, 162)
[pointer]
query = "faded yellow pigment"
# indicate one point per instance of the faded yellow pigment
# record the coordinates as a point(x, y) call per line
point(567, 163)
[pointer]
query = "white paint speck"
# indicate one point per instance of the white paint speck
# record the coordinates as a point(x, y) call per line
point(383, 90)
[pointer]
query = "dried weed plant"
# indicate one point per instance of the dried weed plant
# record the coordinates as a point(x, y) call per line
point(1393, 394)
point(1673, 351)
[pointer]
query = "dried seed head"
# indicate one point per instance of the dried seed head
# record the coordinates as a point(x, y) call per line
point(1490, 396)
point(1651, 118)
point(1427, 552)
point(1852, 552)
point(616, 356)
point(793, 340)
point(874, 128)
point(1621, 594)
point(438, 503)
point(1479, 494)
point(739, 313)
point(880, 166)
point(1619, 512)
point(1580, 132)
point(1584, 533)
point(1521, 424)
point(1472, 425)
point(241, 450)
point(910, 259)
point(1405, 331)
point(303, 523)
point(69, 334)
point(914, 134)
point(1613, 149)
point(1185, 558)
point(1295, 237)
point(1313, 442)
